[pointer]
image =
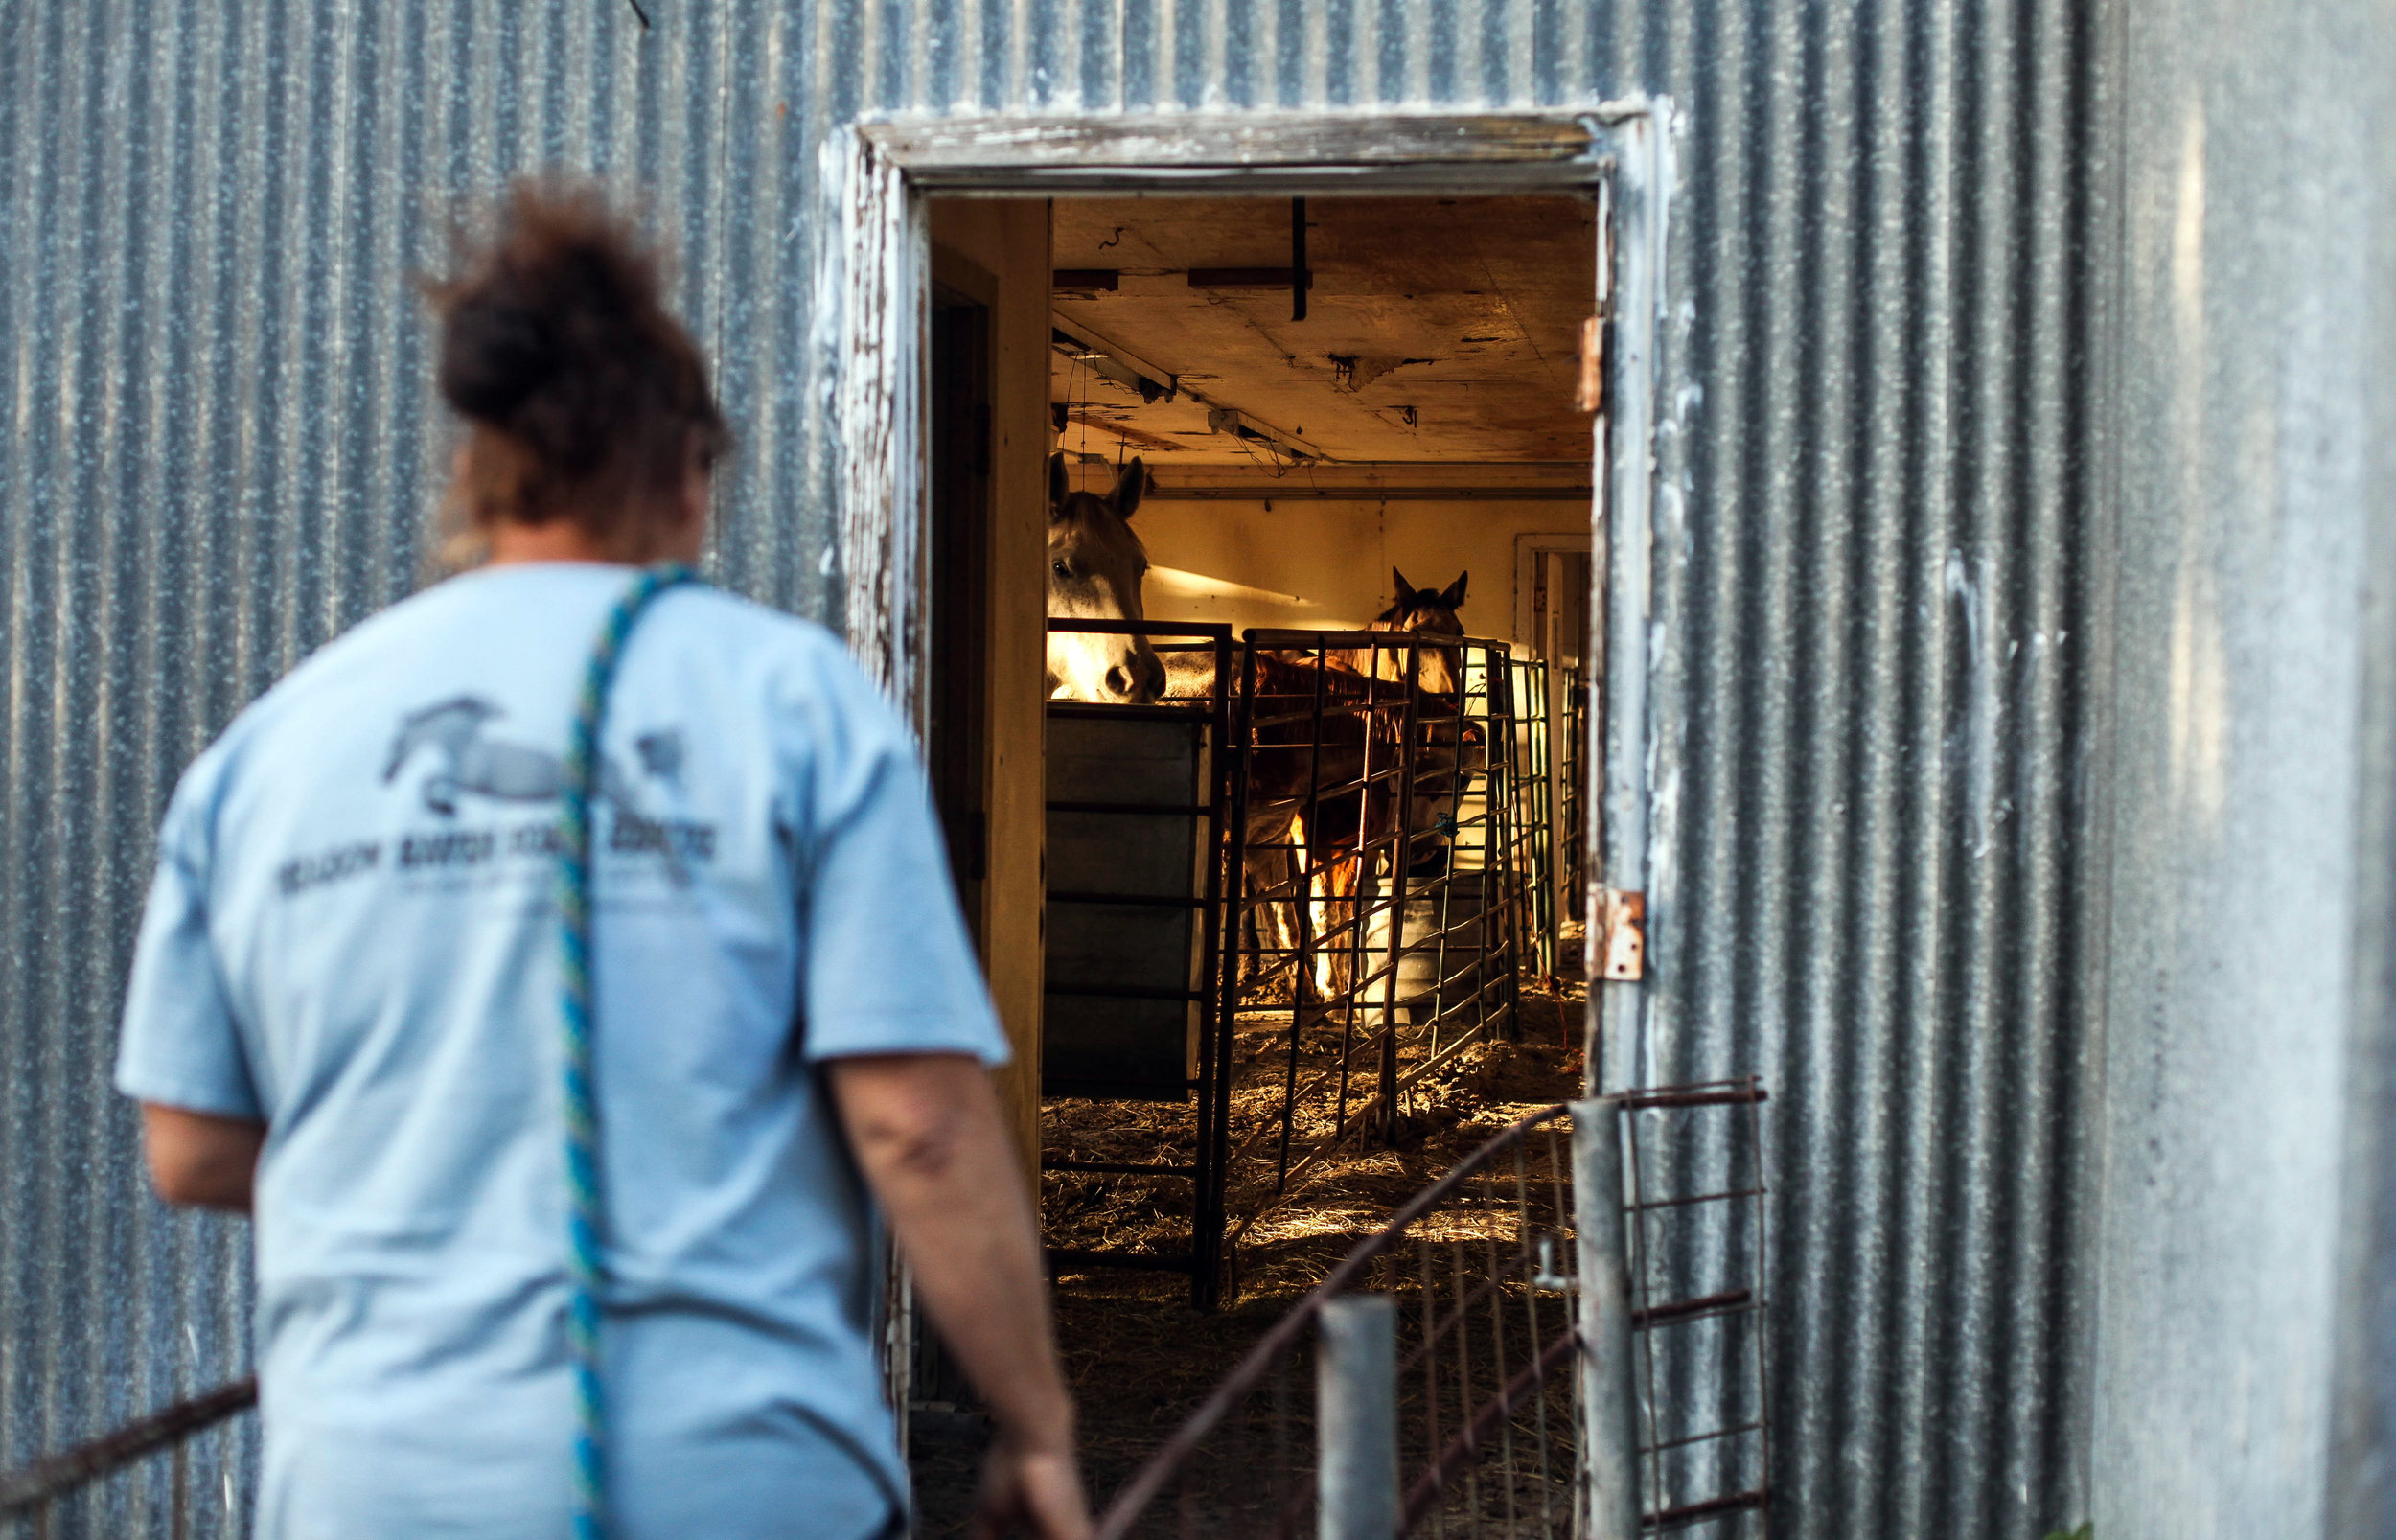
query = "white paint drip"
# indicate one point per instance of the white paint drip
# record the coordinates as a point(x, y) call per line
point(2188, 228)
point(1973, 745)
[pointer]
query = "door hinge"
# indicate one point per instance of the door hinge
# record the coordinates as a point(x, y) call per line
point(1589, 395)
point(1622, 935)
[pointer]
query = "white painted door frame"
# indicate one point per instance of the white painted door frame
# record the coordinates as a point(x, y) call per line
point(872, 271)
point(873, 262)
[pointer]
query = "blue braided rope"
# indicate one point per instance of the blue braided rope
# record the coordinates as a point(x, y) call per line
point(587, 1202)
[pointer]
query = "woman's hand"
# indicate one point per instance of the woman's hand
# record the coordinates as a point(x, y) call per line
point(1034, 1491)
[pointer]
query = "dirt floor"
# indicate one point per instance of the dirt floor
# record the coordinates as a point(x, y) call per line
point(1140, 1358)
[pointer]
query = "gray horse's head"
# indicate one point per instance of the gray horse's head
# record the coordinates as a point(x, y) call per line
point(1096, 567)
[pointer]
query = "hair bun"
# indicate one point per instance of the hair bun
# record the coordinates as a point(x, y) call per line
point(496, 353)
point(589, 400)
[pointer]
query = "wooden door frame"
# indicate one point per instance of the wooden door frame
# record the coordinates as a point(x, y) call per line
point(872, 276)
point(1529, 547)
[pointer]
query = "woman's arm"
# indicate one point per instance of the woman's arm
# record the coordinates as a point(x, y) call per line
point(201, 1159)
point(928, 1134)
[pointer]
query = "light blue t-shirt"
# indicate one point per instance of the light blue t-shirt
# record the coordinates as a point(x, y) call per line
point(352, 938)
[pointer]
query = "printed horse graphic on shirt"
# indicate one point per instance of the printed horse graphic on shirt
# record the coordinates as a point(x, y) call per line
point(510, 772)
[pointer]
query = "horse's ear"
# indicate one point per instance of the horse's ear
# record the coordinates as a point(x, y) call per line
point(1405, 590)
point(1128, 488)
point(1056, 482)
point(1453, 598)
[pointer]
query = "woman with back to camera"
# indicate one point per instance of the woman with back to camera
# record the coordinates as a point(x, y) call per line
point(343, 1015)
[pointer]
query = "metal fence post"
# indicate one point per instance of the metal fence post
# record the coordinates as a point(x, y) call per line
point(1356, 1419)
point(1610, 1463)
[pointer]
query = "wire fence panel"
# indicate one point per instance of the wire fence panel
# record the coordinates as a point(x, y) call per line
point(1490, 1424)
point(1479, 1263)
point(1482, 1266)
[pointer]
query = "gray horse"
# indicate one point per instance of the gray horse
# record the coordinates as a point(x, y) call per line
point(1096, 567)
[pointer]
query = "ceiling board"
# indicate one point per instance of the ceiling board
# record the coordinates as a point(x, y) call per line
point(1437, 329)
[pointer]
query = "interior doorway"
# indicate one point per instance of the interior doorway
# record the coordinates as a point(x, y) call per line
point(1554, 619)
point(1316, 415)
point(957, 741)
point(1305, 462)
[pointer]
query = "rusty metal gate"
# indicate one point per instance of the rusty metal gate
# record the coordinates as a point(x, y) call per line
point(1375, 836)
point(1378, 915)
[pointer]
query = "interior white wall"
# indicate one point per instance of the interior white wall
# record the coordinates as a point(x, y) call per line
point(1325, 564)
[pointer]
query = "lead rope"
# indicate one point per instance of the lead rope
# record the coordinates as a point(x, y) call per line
point(586, 1203)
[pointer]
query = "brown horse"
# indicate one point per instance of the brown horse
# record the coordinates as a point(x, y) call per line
point(1439, 673)
point(1418, 612)
point(1321, 802)
point(1307, 847)
point(1095, 568)
point(1306, 844)
point(1447, 749)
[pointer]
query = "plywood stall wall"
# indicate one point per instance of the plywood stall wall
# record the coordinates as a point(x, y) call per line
point(1326, 564)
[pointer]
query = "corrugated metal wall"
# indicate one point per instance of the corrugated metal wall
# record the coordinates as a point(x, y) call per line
point(1877, 617)
point(1873, 596)
point(2246, 1346)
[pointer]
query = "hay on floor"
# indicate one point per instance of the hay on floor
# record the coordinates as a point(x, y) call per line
point(1139, 1358)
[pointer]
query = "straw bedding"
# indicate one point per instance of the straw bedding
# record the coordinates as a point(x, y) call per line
point(1139, 1359)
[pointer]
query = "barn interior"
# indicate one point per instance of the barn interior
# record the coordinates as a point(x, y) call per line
point(1419, 416)
point(1325, 392)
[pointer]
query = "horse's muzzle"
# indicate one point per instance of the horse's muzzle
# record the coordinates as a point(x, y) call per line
point(1141, 684)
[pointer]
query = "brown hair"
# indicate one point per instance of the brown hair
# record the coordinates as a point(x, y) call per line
point(587, 401)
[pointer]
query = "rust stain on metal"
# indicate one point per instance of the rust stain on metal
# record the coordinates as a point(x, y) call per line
point(1589, 396)
point(1622, 935)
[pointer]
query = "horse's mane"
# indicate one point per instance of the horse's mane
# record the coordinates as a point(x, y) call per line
point(1390, 619)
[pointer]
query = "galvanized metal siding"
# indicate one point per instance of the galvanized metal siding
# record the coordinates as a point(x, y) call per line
point(1876, 618)
point(219, 453)
point(1871, 567)
point(2245, 1373)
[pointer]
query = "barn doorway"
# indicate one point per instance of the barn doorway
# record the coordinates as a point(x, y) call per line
point(1339, 404)
point(1320, 416)
point(1344, 352)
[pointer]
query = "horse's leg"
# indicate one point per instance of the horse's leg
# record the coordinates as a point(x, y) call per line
point(1282, 916)
point(1305, 926)
point(1270, 923)
point(1335, 932)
